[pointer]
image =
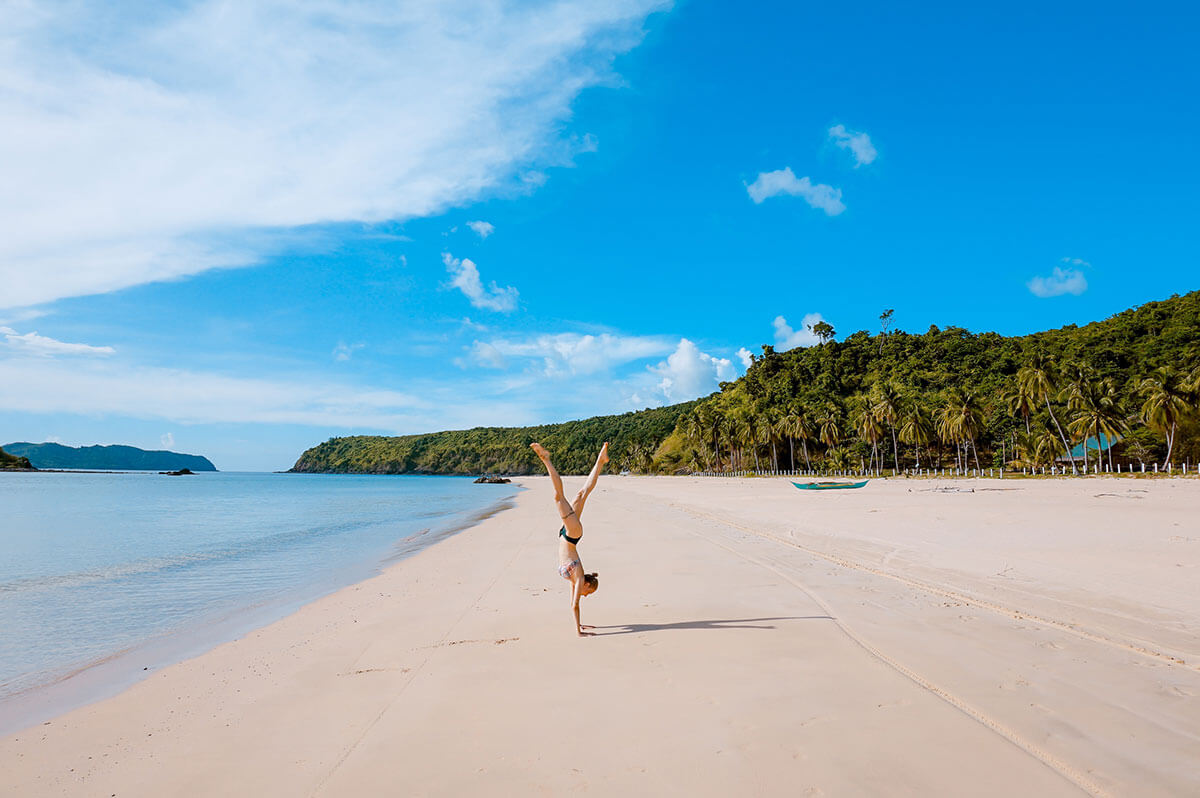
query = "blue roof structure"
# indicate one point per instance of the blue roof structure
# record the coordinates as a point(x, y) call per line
point(1103, 443)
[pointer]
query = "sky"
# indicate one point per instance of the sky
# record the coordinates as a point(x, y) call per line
point(239, 229)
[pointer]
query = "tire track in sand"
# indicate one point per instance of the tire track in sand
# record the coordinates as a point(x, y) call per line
point(945, 592)
point(1064, 770)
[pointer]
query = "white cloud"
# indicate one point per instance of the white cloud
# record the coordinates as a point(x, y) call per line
point(144, 146)
point(784, 181)
point(1061, 281)
point(786, 338)
point(99, 388)
point(688, 372)
point(465, 276)
point(343, 351)
point(482, 229)
point(857, 142)
point(1076, 262)
point(569, 354)
point(488, 355)
point(746, 356)
point(23, 315)
point(41, 346)
point(167, 440)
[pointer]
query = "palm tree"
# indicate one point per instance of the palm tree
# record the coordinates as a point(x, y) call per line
point(1078, 378)
point(1166, 401)
point(868, 427)
point(829, 425)
point(837, 460)
point(1040, 378)
point(1037, 447)
point(915, 427)
point(1020, 401)
point(960, 420)
point(694, 428)
point(796, 424)
point(744, 434)
point(764, 433)
point(885, 404)
point(727, 434)
point(1097, 409)
point(715, 423)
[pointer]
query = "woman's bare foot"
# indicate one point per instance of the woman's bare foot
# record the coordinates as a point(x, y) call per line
point(603, 458)
point(540, 451)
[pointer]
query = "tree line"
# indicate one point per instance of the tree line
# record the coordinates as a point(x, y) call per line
point(889, 400)
point(950, 397)
point(633, 439)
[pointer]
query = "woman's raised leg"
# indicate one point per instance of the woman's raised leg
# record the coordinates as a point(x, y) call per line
point(564, 507)
point(590, 485)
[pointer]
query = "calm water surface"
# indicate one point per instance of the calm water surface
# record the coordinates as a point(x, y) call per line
point(94, 565)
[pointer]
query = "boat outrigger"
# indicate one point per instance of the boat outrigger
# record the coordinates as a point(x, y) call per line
point(829, 485)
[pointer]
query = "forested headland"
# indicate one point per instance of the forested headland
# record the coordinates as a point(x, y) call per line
point(883, 400)
point(9, 462)
point(633, 438)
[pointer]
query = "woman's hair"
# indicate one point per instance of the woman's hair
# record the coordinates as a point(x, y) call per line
point(592, 580)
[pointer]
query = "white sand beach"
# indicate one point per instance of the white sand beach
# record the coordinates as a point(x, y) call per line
point(1032, 637)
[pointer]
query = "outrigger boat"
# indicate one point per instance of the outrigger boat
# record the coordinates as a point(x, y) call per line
point(829, 485)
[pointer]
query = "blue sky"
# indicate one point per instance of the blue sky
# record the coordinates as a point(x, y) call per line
point(239, 229)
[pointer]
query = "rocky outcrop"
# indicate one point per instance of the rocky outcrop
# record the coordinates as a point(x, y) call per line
point(9, 462)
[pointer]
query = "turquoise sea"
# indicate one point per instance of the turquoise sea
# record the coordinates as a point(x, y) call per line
point(107, 576)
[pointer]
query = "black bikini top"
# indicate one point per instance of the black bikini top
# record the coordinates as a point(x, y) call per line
point(562, 533)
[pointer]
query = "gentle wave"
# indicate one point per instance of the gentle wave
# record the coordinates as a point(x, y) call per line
point(112, 573)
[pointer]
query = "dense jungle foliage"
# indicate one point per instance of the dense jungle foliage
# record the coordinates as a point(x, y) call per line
point(884, 401)
point(632, 437)
point(952, 397)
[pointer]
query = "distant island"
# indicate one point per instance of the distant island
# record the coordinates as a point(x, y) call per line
point(10, 463)
point(105, 458)
point(873, 401)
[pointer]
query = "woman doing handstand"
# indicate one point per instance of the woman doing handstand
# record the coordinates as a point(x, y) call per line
point(570, 567)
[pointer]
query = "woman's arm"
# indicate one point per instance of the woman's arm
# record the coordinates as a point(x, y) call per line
point(576, 594)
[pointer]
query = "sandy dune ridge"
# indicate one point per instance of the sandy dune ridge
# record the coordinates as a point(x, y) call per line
point(1030, 637)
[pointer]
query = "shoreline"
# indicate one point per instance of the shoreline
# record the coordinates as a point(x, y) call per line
point(114, 674)
point(1038, 641)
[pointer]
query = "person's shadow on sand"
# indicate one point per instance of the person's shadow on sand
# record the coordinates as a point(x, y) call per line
point(739, 623)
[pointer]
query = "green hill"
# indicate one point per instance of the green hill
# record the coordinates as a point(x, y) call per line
point(958, 396)
point(943, 397)
point(107, 458)
point(632, 437)
point(9, 462)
